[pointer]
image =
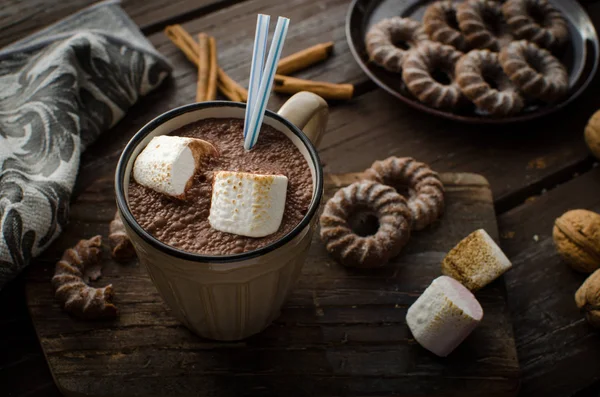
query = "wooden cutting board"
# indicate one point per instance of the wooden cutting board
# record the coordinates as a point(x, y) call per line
point(342, 332)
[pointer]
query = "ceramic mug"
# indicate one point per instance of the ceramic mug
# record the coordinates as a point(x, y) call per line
point(234, 296)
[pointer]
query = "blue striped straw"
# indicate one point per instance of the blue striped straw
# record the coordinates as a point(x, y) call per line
point(266, 83)
point(258, 61)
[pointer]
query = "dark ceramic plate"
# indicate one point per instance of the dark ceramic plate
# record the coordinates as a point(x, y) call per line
point(580, 58)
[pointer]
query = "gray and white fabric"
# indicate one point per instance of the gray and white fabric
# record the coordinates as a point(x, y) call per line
point(59, 90)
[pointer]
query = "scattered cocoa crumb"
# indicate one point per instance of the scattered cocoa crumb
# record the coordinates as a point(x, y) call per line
point(538, 163)
point(508, 235)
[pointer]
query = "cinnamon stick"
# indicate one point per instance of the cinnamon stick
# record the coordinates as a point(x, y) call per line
point(182, 39)
point(211, 90)
point(229, 84)
point(203, 67)
point(305, 58)
point(184, 42)
point(231, 94)
point(292, 85)
point(283, 84)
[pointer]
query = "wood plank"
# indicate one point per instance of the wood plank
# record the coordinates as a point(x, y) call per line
point(307, 27)
point(19, 18)
point(522, 158)
point(517, 160)
point(341, 332)
point(558, 350)
point(23, 367)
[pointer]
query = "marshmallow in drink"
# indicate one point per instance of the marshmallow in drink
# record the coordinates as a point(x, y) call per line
point(168, 163)
point(247, 204)
point(443, 316)
point(476, 261)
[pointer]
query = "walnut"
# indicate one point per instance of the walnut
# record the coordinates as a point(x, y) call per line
point(592, 134)
point(587, 299)
point(577, 238)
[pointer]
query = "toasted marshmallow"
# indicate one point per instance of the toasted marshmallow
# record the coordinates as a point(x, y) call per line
point(443, 316)
point(476, 261)
point(168, 163)
point(247, 204)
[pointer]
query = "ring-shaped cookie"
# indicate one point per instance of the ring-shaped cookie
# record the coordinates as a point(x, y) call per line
point(482, 80)
point(536, 21)
point(423, 69)
point(440, 23)
point(77, 266)
point(389, 40)
point(534, 70)
point(374, 250)
point(483, 25)
point(425, 189)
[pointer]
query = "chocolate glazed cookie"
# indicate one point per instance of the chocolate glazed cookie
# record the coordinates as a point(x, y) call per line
point(389, 41)
point(426, 191)
point(77, 266)
point(483, 81)
point(535, 71)
point(365, 198)
point(441, 25)
point(429, 75)
point(483, 25)
point(536, 21)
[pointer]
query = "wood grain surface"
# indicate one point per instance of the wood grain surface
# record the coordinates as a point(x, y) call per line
point(559, 351)
point(19, 18)
point(341, 332)
point(519, 162)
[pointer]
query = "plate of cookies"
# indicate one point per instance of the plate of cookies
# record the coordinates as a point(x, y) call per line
point(476, 61)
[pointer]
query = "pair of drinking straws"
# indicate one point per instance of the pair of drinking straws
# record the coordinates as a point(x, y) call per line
point(262, 74)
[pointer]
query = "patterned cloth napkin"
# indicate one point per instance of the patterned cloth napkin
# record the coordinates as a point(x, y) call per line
point(59, 90)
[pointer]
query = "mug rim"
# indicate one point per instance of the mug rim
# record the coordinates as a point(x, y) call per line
point(154, 242)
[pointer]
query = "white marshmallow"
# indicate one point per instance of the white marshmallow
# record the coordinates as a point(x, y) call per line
point(443, 316)
point(476, 261)
point(168, 163)
point(247, 204)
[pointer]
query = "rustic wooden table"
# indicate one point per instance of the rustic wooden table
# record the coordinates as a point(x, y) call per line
point(537, 171)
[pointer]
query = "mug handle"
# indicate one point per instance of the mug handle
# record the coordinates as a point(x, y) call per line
point(309, 112)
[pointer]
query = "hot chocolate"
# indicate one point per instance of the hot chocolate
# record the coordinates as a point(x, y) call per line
point(184, 223)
